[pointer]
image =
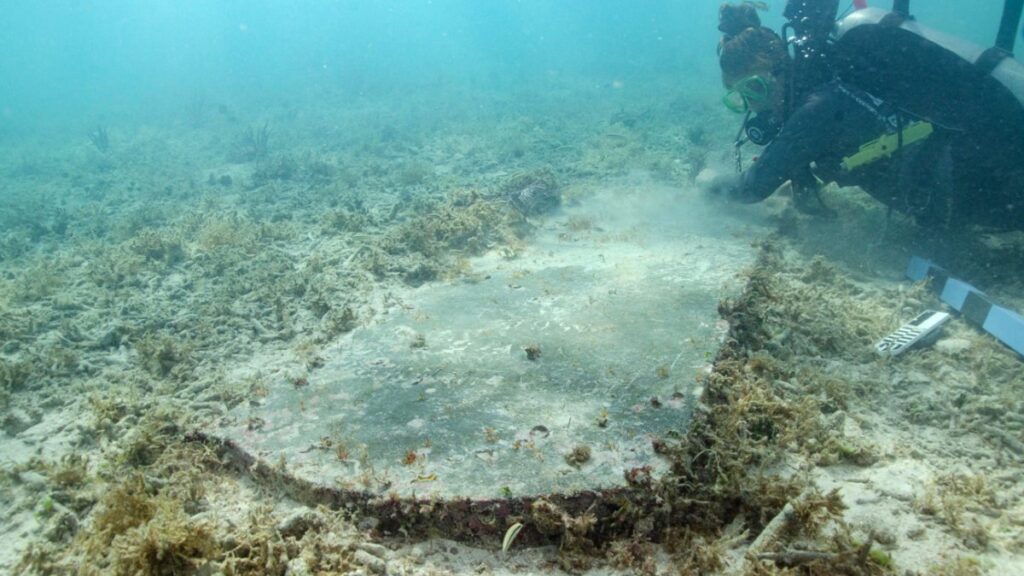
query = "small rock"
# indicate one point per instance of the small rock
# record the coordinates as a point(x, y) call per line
point(298, 567)
point(33, 480)
point(884, 536)
point(918, 378)
point(705, 176)
point(898, 490)
point(300, 522)
point(215, 408)
point(416, 554)
point(375, 549)
point(18, 420)
point(835, 421)
point(51, 402)
point(110, 340)
point(579, 456)
point(368, 524)
point(61, 527)
point(953, 346)
point(370, 562)
point(916, 533)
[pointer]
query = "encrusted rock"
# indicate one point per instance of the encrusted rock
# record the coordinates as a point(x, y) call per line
point(300, 522)
point(298, 567)
point(375, 549)
point(372, 563)
point(533, 193)
point(368, 523)
point(953, 346)
point(33, 480)
point(61, 526)
point(18, 420)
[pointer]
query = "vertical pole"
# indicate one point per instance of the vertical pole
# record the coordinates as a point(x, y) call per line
point(901, 7)
point(1008, 27)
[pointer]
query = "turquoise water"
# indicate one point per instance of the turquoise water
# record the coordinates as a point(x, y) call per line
point(63, 60)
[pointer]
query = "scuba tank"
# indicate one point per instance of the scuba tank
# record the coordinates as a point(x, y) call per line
point(928, 73)
point(808, 30)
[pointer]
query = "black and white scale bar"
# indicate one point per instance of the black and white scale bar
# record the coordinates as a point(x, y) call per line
point(1005, 325)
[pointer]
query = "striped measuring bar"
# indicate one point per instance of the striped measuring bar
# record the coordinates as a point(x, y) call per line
point(1004, 324)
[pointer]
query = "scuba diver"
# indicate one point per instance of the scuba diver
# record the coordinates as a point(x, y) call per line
point(925, 123)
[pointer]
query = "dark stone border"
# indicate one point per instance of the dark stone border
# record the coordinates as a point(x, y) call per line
point(463, 519)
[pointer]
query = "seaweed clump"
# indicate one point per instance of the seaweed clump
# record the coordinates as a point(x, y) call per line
point(165, 355)
point(577, 548)
point(162, 247)
point(434, 244)
point(134, 532)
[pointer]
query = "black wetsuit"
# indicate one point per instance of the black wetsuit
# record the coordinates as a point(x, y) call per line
point(952, 177)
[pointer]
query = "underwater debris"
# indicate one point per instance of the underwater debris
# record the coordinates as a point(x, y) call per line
point(579, 456)
point(533, 193)
point(532, 352)
point(696, 160)
point(576, 551)
point(510, 536)
point(419, 342)
point(540, 430)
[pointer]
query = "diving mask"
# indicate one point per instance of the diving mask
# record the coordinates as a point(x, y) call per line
point(754, 89)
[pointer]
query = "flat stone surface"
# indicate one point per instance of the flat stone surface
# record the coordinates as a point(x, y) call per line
point(438, 395)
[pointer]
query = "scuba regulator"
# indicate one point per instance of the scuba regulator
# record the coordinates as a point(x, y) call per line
point(808, 30)
point(762, 129)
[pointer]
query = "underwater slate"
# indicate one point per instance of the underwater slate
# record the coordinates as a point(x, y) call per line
point(547, 373)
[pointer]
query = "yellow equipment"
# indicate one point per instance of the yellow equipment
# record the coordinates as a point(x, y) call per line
point(887, 145)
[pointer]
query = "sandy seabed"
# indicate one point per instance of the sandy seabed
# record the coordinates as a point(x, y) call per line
point(149, 288)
